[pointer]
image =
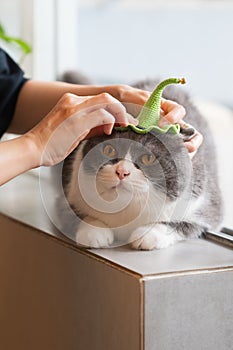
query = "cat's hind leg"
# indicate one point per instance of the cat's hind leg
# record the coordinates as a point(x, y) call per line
point(93, 233)
point(156, 236)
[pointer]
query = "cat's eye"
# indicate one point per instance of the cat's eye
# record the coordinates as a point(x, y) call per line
point(148, 159)
point(110, 151)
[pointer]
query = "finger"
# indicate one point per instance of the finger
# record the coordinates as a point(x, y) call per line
point(97, 131)
point(192, 154)
point(119, 112)
point(121, 116)
point(98, 118)
point(173, 112)
point(113, 106)
point(129, 120)
point(193, 144)
point(110, 104)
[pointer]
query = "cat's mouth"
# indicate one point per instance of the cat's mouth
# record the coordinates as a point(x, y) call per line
point(118, 191)
point(122, 185)
point(118, 187)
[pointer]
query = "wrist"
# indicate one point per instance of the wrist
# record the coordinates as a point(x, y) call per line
point(16, 157)
point(32, 151)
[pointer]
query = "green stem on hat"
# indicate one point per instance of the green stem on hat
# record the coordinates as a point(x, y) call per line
point(150, 113)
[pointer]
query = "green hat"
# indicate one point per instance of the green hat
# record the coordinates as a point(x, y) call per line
point(150, 113)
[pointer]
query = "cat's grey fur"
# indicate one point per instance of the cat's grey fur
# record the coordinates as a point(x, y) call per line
point(172, 199)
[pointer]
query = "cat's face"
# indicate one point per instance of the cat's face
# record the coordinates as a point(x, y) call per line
point(131, 163)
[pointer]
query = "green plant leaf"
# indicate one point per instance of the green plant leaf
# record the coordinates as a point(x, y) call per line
point(24, 47)
point(2, 30)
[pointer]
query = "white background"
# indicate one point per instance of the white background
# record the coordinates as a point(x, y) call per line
point(125, 40)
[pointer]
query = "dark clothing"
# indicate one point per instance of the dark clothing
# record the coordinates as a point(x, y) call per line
point(11, 81)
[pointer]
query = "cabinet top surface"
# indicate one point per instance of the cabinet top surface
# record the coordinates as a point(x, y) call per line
point(21, 200)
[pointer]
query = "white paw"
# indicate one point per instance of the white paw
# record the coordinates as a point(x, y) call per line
point(154, 237)
point(94, 235)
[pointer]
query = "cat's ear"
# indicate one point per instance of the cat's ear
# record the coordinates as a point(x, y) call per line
point(187, 132)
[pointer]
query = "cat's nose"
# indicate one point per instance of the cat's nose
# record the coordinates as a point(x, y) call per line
point(122, 173)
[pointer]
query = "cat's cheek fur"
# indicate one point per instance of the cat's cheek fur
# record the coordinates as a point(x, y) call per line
point(94, 234)
point(151, 237)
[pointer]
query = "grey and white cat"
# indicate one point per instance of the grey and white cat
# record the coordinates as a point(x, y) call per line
point(142, 189)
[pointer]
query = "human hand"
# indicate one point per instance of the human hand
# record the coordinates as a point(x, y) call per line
point(72, 120)
point(193, 144)
point(172, 113)
point(128, 94)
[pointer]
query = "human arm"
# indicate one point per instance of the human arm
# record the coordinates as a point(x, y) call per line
point(71, 120)
point(37, 98)
point(16, 157)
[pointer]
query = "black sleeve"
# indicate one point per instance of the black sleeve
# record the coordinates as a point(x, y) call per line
point(11, 81)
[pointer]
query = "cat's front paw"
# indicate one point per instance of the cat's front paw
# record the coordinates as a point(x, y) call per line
point(153, 237)
point(94, 235)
